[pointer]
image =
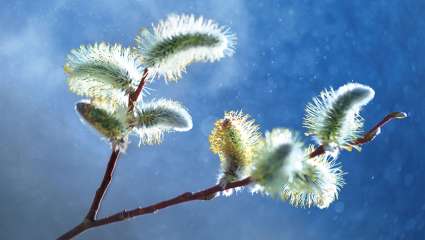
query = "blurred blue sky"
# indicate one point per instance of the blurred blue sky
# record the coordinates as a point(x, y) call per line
point(287, 52)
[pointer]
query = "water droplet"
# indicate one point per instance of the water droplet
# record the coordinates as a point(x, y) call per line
point(339, 207)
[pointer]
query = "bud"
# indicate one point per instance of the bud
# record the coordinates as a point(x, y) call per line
point(113, 126)
point(317, 184)
point(157, 117)
point(103, 72)
point(233, 139)
point(333, 117)
point(278, 161)
point(181, 40)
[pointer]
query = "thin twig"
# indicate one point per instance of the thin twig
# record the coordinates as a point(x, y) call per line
point(185, 197)
point(91, 216)
point(124, 215)
point(203, 194)
point(318, 151)
point(373, 132)
point(368, 136)
point(100, 193)
point(132, 97)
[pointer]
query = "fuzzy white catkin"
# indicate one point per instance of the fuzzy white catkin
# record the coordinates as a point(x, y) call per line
point(106, 73)
point(317, 184)
point(278, 159)
point(283, 168)
point(333, 117)
point(113, 126)
point(180, 40)
point(160, 116)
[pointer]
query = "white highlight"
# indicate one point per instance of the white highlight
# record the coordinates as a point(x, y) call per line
point(333, 117)
point(174, 64)
point(278, 160)
point(317, 184)
point(158, 117)
point(282, 168)
point(103, 72)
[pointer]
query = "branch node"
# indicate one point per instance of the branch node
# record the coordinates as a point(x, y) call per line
point(186, 195)
point(123, 214)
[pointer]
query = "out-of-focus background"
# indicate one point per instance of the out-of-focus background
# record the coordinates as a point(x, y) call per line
point(287, 52)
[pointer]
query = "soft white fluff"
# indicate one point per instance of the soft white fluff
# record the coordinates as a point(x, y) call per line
point(157, 117)
point(317, 184)
point(278, 160)
point(114, 127)
point(333, 117)
point(103, 72)
point(282, 168)
point(172, 63)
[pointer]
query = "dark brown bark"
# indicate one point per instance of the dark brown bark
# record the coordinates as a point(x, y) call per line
point(124, 215)
point(375, 130)
point(101, 191)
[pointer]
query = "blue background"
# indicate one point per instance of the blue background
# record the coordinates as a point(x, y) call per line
point(287, 52)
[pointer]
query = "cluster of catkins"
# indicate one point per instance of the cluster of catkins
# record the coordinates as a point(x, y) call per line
point(108, 74)
point(278, 162)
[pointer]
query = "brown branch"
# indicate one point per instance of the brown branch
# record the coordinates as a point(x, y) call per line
point(100, 193)
point(203, 194)
point(91, 216)
point(132, 97)
point(107, 178)
point(318, 151)
point(185, 197)
point(368, 136)
point(124, 215)
point(373, 132)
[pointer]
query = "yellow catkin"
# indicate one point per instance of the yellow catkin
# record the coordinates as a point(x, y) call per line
point(233, 139)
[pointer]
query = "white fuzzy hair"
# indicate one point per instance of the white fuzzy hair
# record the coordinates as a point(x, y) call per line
point(172, 62)
point(317, 184)
point(103, 72)
point(279, 159)
point(160, 116)
point(333, 117)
